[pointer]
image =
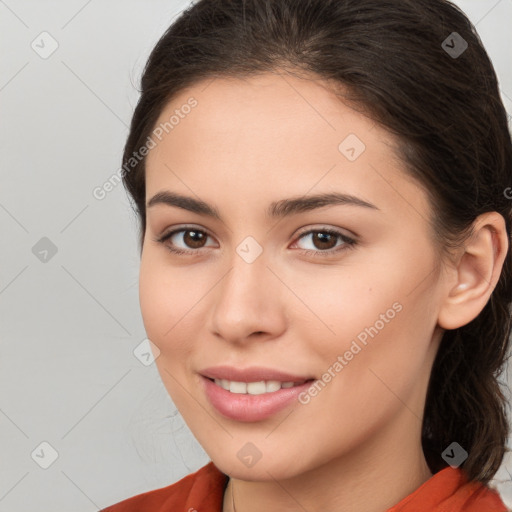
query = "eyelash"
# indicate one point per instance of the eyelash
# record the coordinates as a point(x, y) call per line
point(349, 243)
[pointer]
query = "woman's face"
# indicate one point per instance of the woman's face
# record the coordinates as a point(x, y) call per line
point(346, 293)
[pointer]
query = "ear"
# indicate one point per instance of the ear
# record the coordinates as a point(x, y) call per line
point(476, 272)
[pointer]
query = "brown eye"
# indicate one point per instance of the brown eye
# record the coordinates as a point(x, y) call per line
point(324, 242)
point(195, 240)
point(184, 240)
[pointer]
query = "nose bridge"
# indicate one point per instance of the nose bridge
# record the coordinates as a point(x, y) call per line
point(246, 301)
point(242, 284)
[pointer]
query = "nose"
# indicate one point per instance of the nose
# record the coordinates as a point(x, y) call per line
point(250, 302)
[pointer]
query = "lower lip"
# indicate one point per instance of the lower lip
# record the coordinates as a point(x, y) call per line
point(246, 407)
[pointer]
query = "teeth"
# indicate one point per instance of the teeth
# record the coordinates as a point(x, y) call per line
point(238, 387)
point(254, 388)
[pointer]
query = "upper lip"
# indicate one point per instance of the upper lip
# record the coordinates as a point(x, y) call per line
point(252, 374)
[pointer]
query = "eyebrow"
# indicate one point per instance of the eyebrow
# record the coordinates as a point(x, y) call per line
point(277, 209)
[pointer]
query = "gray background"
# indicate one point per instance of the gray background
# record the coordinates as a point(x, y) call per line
point(70, 319)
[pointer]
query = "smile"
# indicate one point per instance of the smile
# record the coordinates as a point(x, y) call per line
point(255, 388)
point(252, 401)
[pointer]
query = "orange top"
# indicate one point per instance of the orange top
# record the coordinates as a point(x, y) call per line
point(203, 491)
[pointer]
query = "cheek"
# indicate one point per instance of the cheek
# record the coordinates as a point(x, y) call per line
point(386, 359)
point(383, 324)
point(166, 299)
point(344, 305)
point(167, 296)
point(155, 300)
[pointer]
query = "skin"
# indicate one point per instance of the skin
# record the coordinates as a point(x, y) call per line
point(357, 444)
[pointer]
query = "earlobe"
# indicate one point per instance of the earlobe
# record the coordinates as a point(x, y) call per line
point(477, 272)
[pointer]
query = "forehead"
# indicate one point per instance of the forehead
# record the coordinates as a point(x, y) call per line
point(266, 105)
point(263, 135)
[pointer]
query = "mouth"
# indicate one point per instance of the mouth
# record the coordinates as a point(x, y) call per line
point(257, 387)
point(255, 400)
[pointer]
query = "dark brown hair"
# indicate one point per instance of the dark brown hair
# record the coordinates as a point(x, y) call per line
point(446, 112)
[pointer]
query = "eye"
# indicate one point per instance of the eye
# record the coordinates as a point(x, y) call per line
point(325, 241)
point(193, 237)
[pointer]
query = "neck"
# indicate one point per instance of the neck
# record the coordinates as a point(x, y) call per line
point(369, 481)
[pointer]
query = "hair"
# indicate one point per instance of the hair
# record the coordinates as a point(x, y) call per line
point(390, 62)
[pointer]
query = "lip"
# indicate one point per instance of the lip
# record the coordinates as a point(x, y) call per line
point(251, 408)
point(252, 374)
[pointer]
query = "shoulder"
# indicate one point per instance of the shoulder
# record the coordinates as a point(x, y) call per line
point(202, 490)
point(481, 497)
point(451, 490)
